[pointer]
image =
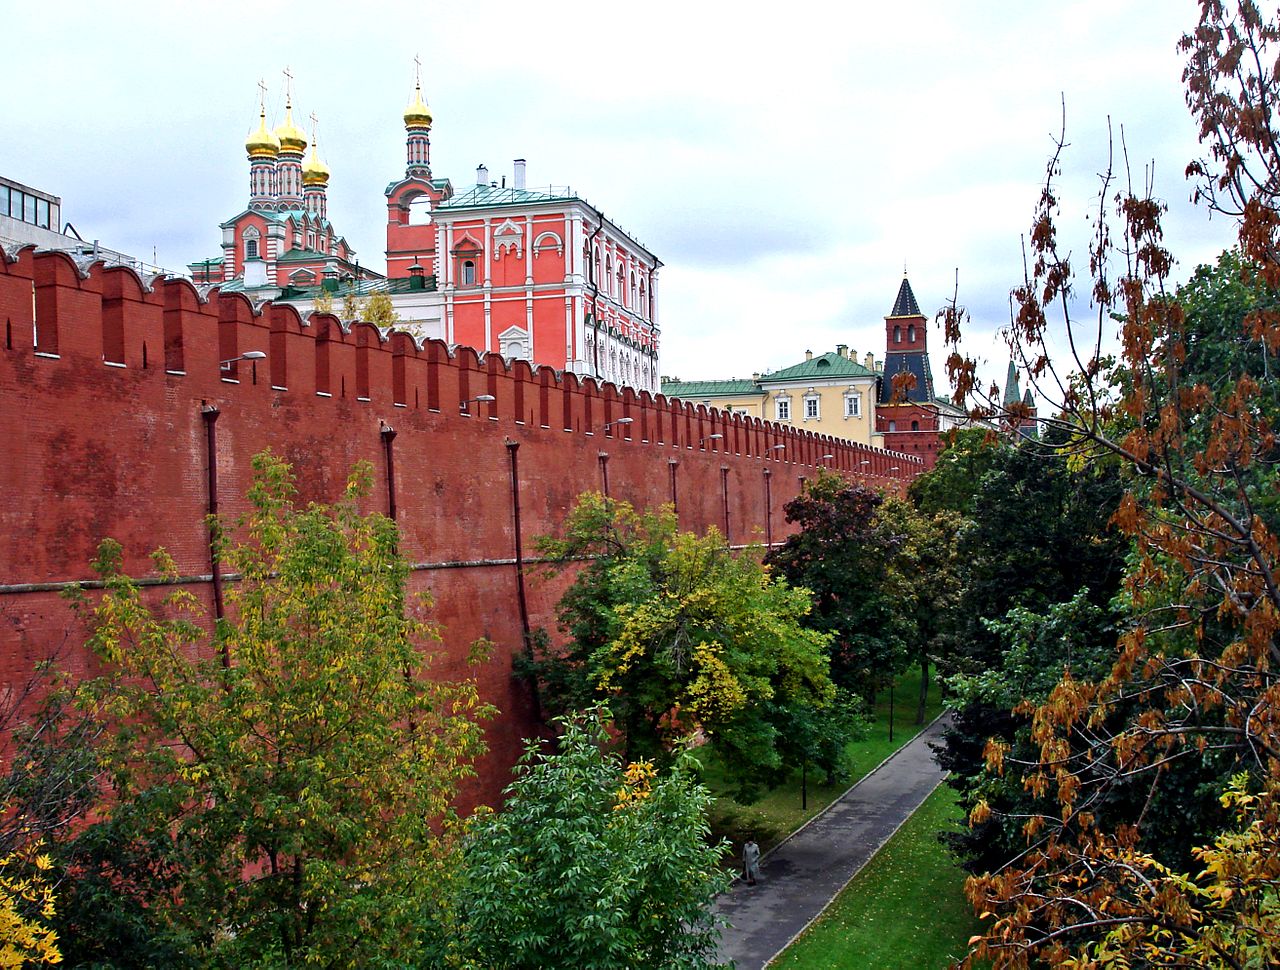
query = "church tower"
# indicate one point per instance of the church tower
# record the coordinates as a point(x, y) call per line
point(411, 236)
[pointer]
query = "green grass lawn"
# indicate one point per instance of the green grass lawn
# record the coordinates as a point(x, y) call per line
point(904, 911)
point(779, 813)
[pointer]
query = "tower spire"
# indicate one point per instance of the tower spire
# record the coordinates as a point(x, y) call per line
point(315, 178)
point(293, 142)
point(417, 124)
point(263, 147)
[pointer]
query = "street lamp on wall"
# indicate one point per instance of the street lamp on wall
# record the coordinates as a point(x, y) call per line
point(483, 398)
point(247, 355)
point(710, 437)
point(610, 424)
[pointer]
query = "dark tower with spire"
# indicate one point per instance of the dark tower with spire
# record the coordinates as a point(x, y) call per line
point(907, 415)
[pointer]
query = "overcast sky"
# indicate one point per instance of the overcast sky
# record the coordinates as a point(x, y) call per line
point(784, 161)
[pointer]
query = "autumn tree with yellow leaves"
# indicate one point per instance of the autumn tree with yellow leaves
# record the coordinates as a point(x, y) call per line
point(298, 760)
point(679, 634)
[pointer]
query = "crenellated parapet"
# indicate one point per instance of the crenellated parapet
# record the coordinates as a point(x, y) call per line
point(55, 309)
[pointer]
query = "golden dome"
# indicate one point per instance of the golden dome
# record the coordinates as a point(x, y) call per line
point(292, 138)
point(417, 115)
point(314, 171)
point(262, 143)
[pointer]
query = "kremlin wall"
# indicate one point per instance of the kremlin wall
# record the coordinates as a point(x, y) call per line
point(120, 420)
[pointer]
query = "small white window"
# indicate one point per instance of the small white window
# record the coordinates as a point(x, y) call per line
point(853, 405)
point(783, 408)
point(893, 425)
point(251, 249)
point(468, 273)
point(812, 410)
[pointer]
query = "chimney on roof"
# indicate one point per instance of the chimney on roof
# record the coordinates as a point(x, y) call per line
point(519, 179)
point(842, 350)
point(755, 376)
point(871, 361)
point(808, 355)
point(482, 175)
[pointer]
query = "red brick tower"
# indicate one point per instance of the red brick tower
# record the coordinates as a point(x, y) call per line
point(907, 414)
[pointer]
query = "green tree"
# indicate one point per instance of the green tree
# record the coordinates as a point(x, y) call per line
point(298, 759)
point(591, 864)
point(679, 635)
point(843, 553)
point(953, 483)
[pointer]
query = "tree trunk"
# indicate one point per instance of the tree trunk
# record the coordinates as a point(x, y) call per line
point(924, 685)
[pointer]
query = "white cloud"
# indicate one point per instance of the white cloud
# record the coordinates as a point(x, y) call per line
point(784, 161)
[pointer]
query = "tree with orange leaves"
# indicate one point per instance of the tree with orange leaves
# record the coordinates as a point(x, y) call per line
point(1189, 411)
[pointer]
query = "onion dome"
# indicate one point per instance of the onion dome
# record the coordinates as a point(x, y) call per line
point(292, 138)
point(262, 143)
point(314, 171)
point(417, 115)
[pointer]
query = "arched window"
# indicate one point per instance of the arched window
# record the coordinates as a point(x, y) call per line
point(915, 425)
point(251, 249)
point(468, 272)
point(420, 211)
point(911, 334)
point(897, 335)
point(633, 291)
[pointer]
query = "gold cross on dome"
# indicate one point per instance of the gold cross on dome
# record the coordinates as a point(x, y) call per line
point(288, 85)
point(417, 70)
point(314, 121)
point(262, 94)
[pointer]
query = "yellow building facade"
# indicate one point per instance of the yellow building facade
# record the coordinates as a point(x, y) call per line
point(831, 393)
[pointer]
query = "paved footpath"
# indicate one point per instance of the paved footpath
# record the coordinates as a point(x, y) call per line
point(803, 874)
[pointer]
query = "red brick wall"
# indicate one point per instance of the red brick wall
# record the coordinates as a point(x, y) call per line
point(95, 449)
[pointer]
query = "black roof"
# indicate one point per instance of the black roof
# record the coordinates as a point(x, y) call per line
point(905, 305)
point(916, 363)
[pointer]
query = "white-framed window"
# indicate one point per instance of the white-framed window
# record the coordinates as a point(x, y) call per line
point(468, 272)
point(782, 408)
point(853, 405)
point(812, 408)
point(251, 249)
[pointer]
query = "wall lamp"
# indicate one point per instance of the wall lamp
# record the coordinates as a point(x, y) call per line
point(247, 355)
point(710, 437)
point(610, 424)
point(776, 448)
point(462, 405)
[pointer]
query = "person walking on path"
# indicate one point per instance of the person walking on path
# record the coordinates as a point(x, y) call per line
point(751, 860)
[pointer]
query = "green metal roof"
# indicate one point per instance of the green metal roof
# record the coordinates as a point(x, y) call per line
point(700, 390)
point(830, 364)
point(304, 256)
point(488, 195)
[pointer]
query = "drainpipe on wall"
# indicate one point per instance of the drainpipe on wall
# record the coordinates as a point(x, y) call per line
point(512, 448)
point(768, 511)
point(210, 415)
point(673, 465)
point(724, 498)
point(604, 471)
point(389, 435)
